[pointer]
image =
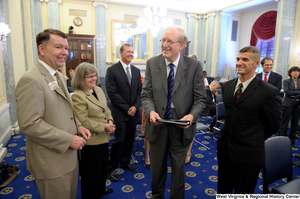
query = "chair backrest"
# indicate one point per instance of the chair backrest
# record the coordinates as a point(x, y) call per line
point(278, 161)
point(220, 112)
point(219, 98)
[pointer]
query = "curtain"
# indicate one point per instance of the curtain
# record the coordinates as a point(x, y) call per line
point(264, 27)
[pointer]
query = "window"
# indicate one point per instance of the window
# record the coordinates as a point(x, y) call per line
point(266, 48)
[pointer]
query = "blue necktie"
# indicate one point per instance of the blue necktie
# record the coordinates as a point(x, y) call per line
point(168, 113)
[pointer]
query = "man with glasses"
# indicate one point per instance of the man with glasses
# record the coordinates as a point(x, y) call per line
point(124, 86)
point(267, 75)
point(173, 89)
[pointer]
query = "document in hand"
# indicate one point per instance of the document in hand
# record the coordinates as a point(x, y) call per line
point(178, 122)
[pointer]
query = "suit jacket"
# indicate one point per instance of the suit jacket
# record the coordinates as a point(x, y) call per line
point(188, 95)
point(275, 79)
point(249, 122)
point(93, 114)
point(47, 119)
point(69, 82)
point(290, 90)
point(210, 79)
point(210, 104)
point(122, 95)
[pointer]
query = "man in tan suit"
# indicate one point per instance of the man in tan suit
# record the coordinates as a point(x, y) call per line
point(45, 116)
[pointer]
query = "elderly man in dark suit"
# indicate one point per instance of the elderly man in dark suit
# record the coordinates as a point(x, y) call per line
point(46, 117)
point(210, 108)
point(267, 75)
point(173, 89)
point(124, 86)
point(253, 113)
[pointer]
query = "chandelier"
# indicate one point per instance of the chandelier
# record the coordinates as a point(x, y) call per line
point(4, 30)
point(155, 19)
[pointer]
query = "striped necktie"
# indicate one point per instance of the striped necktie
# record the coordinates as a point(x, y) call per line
point(168, 113)
point(238, 93)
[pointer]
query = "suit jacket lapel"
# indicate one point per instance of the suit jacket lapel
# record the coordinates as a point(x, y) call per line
point(180, 73)
point(49, 78)
point(162, 73)
point(291, 83)
point(270, 80)
point(230, 92)
point(249, 90)
point(298, 84)
point(92, 99)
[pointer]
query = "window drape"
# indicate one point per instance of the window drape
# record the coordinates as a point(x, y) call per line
point(264, 27)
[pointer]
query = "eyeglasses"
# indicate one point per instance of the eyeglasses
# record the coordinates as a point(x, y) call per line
point(168, 42)
point(91, 77)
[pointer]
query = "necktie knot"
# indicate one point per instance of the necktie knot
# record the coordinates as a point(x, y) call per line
point(238, 93)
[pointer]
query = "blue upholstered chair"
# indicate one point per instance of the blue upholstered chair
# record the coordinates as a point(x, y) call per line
point(278, 165)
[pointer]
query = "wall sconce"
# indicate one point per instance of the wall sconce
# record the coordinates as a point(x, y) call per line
point(4, 30)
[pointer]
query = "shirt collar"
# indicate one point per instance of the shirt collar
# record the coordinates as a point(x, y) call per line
point(51, 70)
point(124, 65)
point(175, 62)
point(245, 83)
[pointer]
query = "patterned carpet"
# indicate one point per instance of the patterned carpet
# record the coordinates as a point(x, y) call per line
point(201, 174)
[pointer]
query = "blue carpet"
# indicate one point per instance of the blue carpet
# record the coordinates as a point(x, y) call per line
point(201, 174)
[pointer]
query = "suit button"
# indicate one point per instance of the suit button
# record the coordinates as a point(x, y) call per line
point(103, 111)
point(71, 118)
point(105, 118)
point(232, 120)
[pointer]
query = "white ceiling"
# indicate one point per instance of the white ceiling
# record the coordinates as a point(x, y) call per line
point(195, 6)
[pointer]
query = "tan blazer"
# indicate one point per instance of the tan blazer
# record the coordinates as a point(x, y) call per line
point(93, 114)
point(46, 117)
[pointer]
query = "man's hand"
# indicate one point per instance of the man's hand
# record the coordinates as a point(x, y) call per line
point(84, 132)
point(131, 111)
point(153, 117)
point(77, 142)
point(189, 117)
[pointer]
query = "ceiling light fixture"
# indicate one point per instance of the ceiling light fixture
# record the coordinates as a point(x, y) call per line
point(155, 19)
point(4, 30)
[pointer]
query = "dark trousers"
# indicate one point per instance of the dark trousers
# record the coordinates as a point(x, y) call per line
point(168, 143)
point(287, 113)
point(121, 148)
point(241, 179)
point(93, 170)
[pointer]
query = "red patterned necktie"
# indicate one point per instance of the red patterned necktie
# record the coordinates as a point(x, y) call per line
point(265, 79)
point(238, 93)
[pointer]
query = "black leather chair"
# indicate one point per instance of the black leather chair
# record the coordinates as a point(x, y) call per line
point(220, 118)
point(278, 165)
